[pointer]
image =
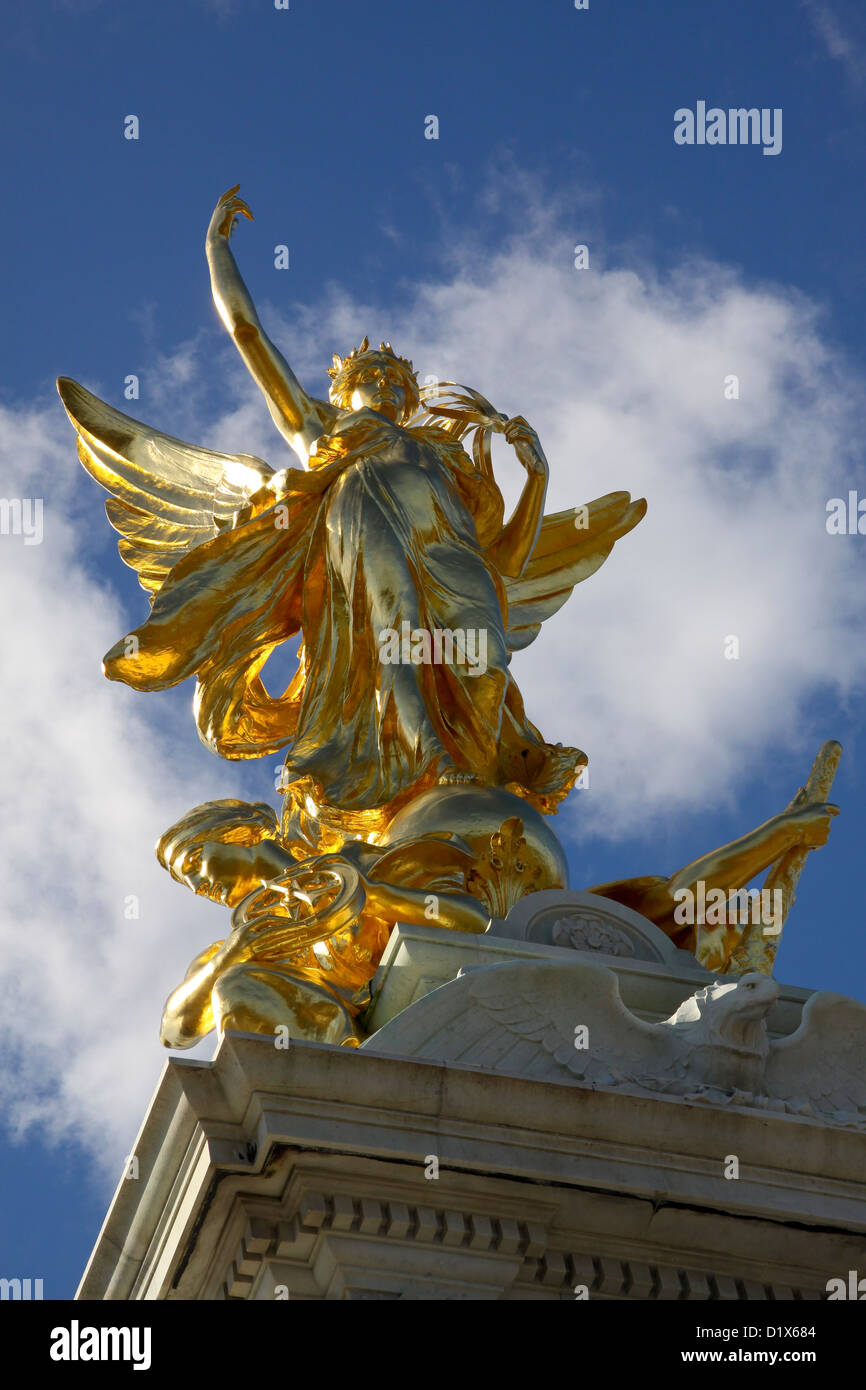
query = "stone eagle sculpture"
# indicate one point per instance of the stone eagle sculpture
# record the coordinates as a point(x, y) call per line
point(568, 1023)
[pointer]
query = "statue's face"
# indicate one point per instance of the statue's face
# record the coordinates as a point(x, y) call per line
point(380, 384)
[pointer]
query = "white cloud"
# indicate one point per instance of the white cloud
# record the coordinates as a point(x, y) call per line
point(91, 778)
point(838, 39)
point(622, 373)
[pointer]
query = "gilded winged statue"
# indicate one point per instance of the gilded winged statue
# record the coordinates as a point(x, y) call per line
point(386, 550)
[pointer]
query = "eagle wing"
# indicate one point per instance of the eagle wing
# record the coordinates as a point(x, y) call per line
point(167, 497)
point(550, 1022)
point(821, 1068)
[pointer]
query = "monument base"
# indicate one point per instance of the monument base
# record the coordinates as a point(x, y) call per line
point(321, 1172)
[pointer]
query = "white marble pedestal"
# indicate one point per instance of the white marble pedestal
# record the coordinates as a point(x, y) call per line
point(319, 1172)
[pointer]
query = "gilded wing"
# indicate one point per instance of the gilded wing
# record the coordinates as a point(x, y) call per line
point(167, 497)
point(571, 546)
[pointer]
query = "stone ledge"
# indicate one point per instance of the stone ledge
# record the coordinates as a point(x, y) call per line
point(419, 959)
point(260, 1270)
point(327, 1146)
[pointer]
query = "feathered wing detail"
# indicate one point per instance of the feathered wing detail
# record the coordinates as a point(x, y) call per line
point(167, 496)
point(571, 546)
point(821, 1068)
point(523, 1019)
point(549, 1007)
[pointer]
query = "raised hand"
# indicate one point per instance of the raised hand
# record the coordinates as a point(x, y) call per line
point(229, 207)
point(811, 820)
point(524, 440)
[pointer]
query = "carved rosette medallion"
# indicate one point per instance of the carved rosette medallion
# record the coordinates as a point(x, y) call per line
point(591, 934)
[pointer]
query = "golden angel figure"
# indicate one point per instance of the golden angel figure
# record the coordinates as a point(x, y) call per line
point(389, 526)
point(412, 774)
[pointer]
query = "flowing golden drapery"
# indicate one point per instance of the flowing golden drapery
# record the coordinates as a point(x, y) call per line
point(390, 526)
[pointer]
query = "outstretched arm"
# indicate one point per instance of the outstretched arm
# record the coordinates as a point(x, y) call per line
point(516, 542)
point(734, 865)
point(299, 417)
point(731, 866)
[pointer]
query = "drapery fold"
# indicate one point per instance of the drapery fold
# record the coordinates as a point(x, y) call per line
point(389, 527)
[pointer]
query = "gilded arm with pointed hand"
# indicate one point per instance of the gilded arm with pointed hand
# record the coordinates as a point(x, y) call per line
point(804, 824)
point(734, 865)
point(300, 418)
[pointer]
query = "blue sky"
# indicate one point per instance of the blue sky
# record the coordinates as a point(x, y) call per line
point(555, 128)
